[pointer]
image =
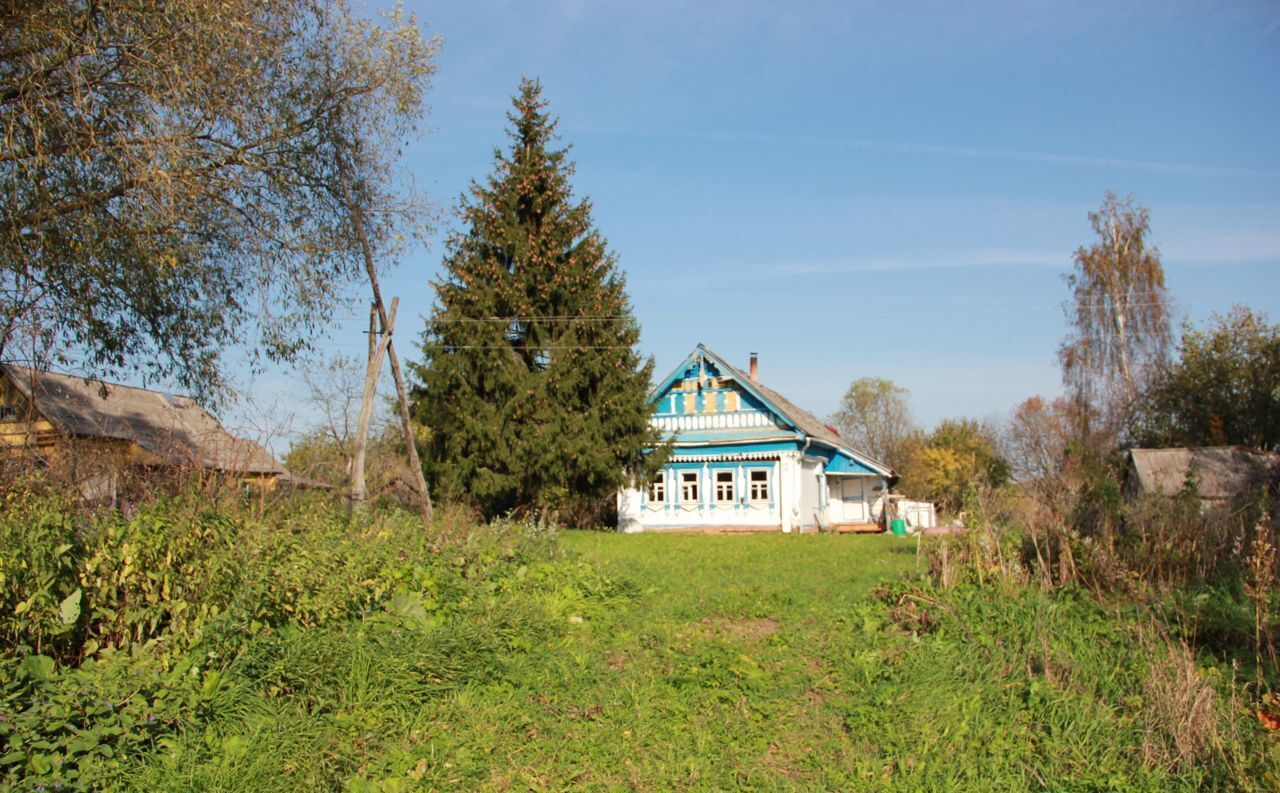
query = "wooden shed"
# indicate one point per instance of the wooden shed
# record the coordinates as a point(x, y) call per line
point(1221, 473)
point(74, 420)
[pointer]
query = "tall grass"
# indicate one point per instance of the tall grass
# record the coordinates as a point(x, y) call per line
point(190, 626)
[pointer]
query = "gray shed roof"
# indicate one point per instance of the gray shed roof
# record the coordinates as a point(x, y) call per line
point(175, 428)
point(1222, 472)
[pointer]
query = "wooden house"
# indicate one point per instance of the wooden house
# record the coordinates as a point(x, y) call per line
point(99, 428)
point(743, 458)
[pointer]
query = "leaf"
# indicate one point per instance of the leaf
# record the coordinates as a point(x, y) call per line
point(408, 606)
point(40, 764)
point(234, 748)
point(38, 667)
point(211, 681)
point(70, 608)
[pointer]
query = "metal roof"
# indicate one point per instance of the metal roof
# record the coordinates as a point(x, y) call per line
point(803, 420)
point(174, 428)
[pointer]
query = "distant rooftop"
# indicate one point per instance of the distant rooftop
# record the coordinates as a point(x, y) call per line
point(174, 428)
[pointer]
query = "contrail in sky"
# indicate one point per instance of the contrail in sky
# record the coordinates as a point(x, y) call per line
point(972, 152)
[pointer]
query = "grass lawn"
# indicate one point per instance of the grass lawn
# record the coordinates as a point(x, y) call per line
point(715, 671)
point(666, 662)
point(763, 663)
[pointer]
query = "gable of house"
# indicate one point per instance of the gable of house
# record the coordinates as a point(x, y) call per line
point(705, 401)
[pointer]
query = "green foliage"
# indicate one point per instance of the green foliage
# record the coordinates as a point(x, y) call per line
point(369, 654)
point(957, 458)
point(169, 178)
point(1223, 390)
point(39, 549)
point(186, 643)
point(531, 385)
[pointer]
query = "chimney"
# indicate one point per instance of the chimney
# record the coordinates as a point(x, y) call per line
point(755, 368)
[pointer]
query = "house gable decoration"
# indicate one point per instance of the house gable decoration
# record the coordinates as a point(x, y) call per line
point(743, 457)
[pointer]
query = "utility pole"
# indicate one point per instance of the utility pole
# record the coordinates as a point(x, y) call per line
point(378, 343)
point(385, 321)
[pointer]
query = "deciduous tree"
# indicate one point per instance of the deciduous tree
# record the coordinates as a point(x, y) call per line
point(958, 455)
point(531, 385)
point(875, 417)
point(1036, 439)
point(1119, 314)
point(1224, 388)
point(169, 174)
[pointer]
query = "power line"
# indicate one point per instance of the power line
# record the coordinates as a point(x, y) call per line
point(1016, 304)
point(534, 348)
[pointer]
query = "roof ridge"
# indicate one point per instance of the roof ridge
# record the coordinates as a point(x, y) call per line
point(803, 420)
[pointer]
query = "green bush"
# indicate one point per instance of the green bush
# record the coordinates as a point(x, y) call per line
point(196, 632)
point(40, 595)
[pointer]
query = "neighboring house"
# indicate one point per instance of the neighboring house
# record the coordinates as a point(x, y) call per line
point(743, 458)
point(1221, 473)
point(96, 428)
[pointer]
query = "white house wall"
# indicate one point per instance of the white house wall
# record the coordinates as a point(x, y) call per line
point(638, 512)
point(811, 494)
point(854, 499)
point(799, 498)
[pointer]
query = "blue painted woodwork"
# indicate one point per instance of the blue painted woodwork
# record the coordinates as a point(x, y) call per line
point(716, 419)
point(843, 464)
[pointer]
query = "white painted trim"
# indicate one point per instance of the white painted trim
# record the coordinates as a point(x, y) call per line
point(713, 421)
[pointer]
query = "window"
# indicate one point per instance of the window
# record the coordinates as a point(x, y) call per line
point(689, 486)
point(759, 486)
point(724, 487)
point(8, 412)
point(658, 488)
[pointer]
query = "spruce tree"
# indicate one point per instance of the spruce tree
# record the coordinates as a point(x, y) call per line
point(531, 385)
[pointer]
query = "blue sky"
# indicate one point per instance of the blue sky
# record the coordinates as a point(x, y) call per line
point(872, 188)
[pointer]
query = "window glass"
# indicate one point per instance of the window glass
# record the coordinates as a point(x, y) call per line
point(658, 488)
point(689, 486)
point(724, 487)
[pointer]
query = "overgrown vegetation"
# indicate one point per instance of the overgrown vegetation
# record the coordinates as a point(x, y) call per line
point(1191, 582)
point(192, 645)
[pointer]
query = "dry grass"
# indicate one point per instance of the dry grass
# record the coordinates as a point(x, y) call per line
point(1180, 710)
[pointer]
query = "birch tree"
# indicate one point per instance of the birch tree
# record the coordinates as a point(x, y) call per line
point(1119, 314)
